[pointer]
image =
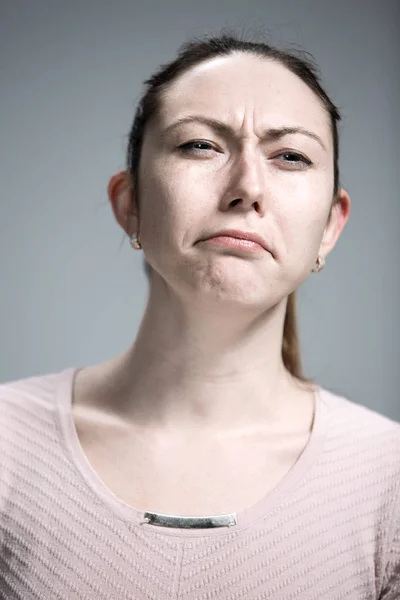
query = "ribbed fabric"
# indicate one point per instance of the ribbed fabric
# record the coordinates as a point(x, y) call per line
point(330, 530)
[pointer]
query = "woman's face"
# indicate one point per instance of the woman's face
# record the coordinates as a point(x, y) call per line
point(279, 186)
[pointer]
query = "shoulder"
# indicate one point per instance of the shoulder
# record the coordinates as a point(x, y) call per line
point(30, 400)
point(32, 389)
point(364, 440)
point(351, 415)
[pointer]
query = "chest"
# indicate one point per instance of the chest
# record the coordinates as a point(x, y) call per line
point(187, 475)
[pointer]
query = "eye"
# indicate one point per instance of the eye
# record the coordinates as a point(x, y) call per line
point(294, 159)
point(190, 146)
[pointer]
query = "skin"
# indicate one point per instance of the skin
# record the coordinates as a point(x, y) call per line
point(207, 357)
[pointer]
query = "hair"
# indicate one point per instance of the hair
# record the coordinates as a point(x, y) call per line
point(192, 53)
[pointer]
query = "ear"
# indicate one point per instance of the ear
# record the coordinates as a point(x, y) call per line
point(338, 218)
point(120, 191)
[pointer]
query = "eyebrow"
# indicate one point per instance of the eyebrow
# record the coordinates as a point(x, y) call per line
point(270, 134)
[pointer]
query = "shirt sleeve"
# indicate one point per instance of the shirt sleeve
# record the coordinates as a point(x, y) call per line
point(391, 582)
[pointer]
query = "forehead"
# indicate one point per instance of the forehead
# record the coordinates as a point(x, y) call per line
point(243, 89)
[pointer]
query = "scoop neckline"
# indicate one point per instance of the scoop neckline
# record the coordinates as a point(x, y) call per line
point(127, 513)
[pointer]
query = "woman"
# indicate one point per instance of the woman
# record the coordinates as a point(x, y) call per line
point(201, 463)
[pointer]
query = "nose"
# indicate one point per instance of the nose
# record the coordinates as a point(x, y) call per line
point(247, 181)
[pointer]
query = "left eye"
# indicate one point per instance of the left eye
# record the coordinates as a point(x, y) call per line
point(294, 157)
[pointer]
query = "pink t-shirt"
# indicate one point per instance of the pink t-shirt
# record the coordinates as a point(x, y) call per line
point(330, 530)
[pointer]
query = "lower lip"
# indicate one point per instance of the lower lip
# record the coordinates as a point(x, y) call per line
point(232, 242)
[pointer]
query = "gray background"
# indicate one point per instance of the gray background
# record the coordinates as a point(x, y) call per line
point(71, 73)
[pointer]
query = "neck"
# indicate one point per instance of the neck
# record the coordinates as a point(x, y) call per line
point(195, 368)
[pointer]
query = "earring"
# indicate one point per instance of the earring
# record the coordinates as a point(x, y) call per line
point(135, 243)
point(319, 265)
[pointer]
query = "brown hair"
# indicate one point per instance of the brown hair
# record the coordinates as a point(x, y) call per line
point(192, 53)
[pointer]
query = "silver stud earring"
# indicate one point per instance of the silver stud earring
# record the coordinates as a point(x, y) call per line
point(135, 243)
point(319, 265)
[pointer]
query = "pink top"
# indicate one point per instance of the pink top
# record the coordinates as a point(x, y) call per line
point(330, 530)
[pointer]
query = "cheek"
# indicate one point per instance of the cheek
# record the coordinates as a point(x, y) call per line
point(300, 217)
point(176, 191)
point(171, 207)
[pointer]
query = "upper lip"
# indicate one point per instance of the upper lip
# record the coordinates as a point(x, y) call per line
point(243, 235)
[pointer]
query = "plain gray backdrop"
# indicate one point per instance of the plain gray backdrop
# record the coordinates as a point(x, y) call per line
point(71, 73)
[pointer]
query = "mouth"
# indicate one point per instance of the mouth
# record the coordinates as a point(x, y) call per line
point(233, 242)
point(236, 238)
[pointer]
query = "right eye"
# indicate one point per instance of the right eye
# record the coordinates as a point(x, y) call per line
point(189, 146)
